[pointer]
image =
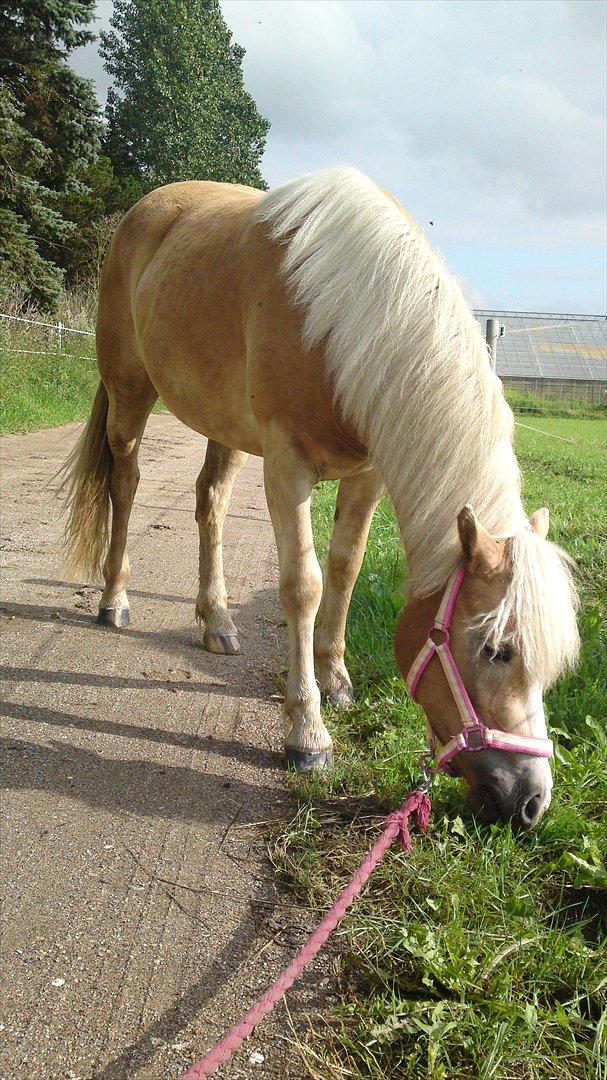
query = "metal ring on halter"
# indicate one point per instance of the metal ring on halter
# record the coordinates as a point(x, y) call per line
point(426, 764)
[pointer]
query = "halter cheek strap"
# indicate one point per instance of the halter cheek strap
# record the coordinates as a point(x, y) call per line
point(474, 734)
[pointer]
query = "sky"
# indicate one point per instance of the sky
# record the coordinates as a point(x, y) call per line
point(486, 118)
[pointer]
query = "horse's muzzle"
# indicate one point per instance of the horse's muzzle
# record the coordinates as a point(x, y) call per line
point(519, 796)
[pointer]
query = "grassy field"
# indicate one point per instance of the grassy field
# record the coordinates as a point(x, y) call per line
point(483, 955)
point(45, 383)
point(46, 390)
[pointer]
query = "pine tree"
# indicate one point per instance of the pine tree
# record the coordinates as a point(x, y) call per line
point(26, 214)
point(50, 136)
point(179, 109)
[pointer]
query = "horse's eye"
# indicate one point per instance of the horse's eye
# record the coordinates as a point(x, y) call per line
point(503, 655)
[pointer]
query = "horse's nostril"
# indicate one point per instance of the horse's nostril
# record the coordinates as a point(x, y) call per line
point(531, 811)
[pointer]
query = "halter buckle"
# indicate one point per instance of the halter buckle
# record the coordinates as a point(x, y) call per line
point(442, 635)
point(474, 739)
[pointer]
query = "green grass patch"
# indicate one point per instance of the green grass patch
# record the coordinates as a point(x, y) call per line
point(483, 955)
point(573, 408)
point(46, 390)
point(41, 389)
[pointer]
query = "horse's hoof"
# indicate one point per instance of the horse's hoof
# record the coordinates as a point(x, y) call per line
point(114, 616)
point(225, 644)
point(305, 761)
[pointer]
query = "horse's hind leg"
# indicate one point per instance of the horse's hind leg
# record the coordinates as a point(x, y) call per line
point(356, 501)
point(213, 491)
point(129, 407)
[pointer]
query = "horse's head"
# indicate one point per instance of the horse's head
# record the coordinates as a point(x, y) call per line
point(512, 632)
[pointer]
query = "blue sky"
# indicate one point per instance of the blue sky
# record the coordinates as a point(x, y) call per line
point(485, 118)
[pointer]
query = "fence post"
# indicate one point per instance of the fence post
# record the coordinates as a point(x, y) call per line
point(494, 331)
point(60, 335)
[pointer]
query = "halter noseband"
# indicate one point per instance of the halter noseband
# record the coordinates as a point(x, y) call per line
point(474, 734)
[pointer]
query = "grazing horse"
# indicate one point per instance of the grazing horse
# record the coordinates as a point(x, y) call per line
point(314, 326)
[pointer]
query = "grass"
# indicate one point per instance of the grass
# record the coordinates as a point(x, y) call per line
point(45, 391)
point(572, 408)
point(483, 955)
point(42, 383)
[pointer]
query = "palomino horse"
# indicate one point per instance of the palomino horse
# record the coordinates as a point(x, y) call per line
point(314, 326)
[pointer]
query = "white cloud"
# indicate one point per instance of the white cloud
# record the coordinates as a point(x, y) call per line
point(473, 296)
point(493, 108)
point(485, 116)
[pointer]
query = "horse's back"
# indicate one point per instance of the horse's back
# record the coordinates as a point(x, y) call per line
point(203, 207)
point(196, 281)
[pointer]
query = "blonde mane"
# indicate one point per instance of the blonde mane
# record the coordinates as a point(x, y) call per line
point(411, 372)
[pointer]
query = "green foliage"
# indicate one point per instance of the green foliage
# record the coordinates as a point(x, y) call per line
point(483, 954)
point(50, 137)
point(26, 212)
point(95, 211)
point(39, 385)
point(178, 109)
point(46, 390)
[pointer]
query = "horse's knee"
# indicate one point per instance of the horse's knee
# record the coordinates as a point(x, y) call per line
point(122, 442)
point(301, 589)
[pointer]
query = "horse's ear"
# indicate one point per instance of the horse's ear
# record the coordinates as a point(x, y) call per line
point(482, 552)
point(540, 522)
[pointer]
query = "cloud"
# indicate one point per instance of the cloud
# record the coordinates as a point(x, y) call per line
point(486, 117)
point(473, 296)
point(86, 60)
point(494, 108)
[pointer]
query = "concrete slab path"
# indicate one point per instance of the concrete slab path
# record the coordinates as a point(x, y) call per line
point(141, 914)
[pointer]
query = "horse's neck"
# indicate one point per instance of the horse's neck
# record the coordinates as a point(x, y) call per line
point(427, 504)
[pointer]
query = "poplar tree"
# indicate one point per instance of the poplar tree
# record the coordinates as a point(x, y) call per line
point(178, 109)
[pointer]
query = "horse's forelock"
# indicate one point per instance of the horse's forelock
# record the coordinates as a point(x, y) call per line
point(537, 614)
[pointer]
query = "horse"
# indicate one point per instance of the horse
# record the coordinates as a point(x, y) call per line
point(315, 326)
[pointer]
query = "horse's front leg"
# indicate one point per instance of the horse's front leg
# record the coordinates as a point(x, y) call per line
point(356, 501)
point(289, 481)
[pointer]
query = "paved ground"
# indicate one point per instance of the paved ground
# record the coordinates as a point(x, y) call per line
point(141, 914)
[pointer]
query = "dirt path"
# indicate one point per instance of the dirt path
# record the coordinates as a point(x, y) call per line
point(140, 910)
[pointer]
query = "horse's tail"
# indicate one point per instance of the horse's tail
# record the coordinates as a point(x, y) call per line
point(85, 487)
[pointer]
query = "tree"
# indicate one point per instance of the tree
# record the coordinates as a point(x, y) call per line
point(94, 212)
point(51, 135)
point(26, 213)
point(179, 109)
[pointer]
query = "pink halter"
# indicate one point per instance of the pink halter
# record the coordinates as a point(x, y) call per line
point(474, 734)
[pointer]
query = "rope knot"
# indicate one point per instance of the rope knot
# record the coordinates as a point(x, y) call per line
point(418, 804)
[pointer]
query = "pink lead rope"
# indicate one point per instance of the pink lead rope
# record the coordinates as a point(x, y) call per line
point(473, 736)
point(397, 824)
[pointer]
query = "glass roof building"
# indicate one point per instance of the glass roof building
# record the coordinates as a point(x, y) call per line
point(551, 353)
